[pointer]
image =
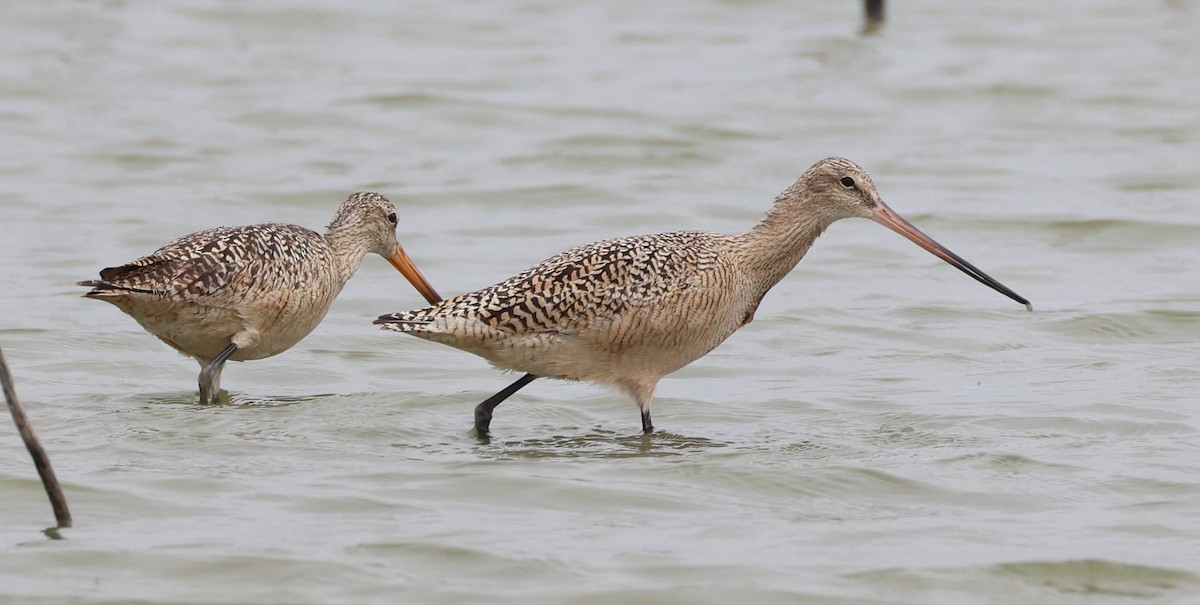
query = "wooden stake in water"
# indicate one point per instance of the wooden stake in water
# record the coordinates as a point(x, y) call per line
point(40, 459)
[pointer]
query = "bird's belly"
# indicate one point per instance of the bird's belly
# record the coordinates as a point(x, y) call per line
point(607, 352)
point(279, 338)
point(281, 328)
point(204, 331)
point(194, 330)
point(651, 355)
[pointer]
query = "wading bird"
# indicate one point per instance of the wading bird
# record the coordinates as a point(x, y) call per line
point(625, 312)
point(251, 292)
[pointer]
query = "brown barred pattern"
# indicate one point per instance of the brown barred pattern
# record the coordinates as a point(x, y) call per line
point(262, 287)
point(626, 312)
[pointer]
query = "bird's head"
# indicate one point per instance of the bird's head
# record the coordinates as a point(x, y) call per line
point(373, 218)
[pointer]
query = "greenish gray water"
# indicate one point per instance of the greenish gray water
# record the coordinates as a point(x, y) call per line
point(886, 431)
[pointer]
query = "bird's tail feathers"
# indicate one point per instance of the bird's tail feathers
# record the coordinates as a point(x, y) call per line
point(400, 322)
point(101, 288)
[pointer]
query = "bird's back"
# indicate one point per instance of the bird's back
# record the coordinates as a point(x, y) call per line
point(650, 303)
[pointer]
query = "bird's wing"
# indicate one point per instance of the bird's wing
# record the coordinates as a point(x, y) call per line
point(593, 282)
point(207, 265)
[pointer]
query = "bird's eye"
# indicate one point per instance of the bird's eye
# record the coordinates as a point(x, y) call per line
point(848, 182)
point(392, 218)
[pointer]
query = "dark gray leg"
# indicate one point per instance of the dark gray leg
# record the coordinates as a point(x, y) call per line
point(210, 375)
point(483, 411)
point(647, 426)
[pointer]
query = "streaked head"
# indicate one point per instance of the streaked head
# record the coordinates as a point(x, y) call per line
point(833, 189)
point(836, 188)
point(373, 217)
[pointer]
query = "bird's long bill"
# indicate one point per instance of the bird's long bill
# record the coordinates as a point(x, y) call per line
point(888, 218)
point(402, 263)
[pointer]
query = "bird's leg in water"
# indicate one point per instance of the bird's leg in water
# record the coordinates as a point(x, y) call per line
point(643, 394)
point(210, 375)
point(483, 411)
point(647, 426)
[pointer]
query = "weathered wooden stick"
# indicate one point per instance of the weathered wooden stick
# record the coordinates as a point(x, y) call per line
point(40, 459)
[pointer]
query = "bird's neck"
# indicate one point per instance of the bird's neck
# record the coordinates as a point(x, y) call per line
point(349, 248)
point(773, 247)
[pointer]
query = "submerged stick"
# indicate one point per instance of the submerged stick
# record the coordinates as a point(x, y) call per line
point(40, 459)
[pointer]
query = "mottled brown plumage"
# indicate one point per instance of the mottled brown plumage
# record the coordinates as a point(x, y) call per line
point(251, 292)
point(628, 311)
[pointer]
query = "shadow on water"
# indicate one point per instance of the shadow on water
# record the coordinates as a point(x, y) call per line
point(598, 444)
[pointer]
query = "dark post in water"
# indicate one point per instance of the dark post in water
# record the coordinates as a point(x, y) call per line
point(40, 459)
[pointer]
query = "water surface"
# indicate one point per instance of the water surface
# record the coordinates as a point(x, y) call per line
point(886, 431)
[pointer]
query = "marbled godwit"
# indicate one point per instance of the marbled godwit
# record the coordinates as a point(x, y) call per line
point(252, 292)
point(628, 311)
